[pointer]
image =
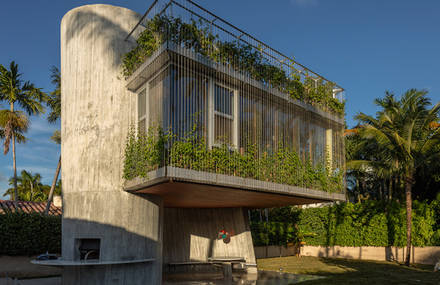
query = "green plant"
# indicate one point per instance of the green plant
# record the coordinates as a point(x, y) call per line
point(155, 148)
point(405, 135)
point(144, 152)
point(273, 233)
point(372, 223)
point(197, 36)
point(29, 234)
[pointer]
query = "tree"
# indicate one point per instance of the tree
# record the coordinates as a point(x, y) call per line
point(54, 103)
point(29, 187)
point(406, 136)
point(14, 123)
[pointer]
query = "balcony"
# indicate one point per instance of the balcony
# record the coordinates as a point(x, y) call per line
point(223, 120)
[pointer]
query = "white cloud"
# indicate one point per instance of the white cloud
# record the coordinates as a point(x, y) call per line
point(305, 3)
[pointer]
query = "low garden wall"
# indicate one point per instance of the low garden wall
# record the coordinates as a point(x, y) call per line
point(422, 255)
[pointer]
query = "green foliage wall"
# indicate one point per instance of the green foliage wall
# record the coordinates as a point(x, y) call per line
point(364, 224)
point(147, 152)
point(197, 36)
point(143, 152)
point(29, 234)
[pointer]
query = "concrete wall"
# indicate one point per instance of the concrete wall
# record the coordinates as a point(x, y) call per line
point(423, 255)
point(97, 111)
point(274, 251)
point(192, 234)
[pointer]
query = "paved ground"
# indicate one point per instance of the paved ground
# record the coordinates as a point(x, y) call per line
point(21, 267)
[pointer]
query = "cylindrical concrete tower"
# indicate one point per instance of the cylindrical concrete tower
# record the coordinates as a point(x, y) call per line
point(100, 220)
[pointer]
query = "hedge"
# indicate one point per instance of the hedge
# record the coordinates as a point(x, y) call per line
point(29, 234)
point(370, 223)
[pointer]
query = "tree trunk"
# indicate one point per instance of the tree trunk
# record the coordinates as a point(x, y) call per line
point(32, 190)
point(14, 166)
point(52, 188)
point(14, 163)
point(390, 190)
point(408, 188)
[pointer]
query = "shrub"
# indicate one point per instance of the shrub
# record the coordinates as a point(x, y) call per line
point(372, 223)
point(147, 152)
point(29, 234)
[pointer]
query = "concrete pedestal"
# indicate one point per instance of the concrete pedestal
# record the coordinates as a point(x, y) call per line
point(97, 111)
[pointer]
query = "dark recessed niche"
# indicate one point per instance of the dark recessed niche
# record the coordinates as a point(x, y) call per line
point(88, 248)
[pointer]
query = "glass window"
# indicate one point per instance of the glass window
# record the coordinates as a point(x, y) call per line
point(188, 103)
point(224, 100)
point(155, 100)
point(142, 111)
point(223, 114)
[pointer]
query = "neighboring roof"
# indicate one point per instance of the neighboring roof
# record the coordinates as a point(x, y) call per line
point(349, 132)
point(7, 206)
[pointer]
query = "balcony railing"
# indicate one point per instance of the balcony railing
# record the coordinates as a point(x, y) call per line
point(218, 107)
point(187, 24)
point(156, 149)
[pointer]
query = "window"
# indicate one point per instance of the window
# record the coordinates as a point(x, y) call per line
point(142, 111)
point(224, 105)
point(150, 103)
point(155, 100)
point(88, 248)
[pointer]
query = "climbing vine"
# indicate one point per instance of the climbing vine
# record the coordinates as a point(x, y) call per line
point(149, 151)
point(242, 57)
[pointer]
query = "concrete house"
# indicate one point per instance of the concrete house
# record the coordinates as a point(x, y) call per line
point(175, 123)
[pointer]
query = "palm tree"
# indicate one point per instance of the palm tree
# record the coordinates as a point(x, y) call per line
point(14, 91)
point(406, 136)
point(29, 187)
point(54, 102)
point(14, 125)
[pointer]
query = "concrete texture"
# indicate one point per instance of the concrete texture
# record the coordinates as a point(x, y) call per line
point(97, 111)
point(192, 235)
point(422, 255)
point(274, 251)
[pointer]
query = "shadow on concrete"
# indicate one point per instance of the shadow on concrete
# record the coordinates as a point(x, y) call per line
point(86, 23)
point(192, 234)
point(117, 244)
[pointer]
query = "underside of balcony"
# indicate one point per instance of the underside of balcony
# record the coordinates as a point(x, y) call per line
point(184, 188)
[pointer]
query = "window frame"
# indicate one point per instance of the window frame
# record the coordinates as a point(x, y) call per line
point(212, 113)
point(144, 88)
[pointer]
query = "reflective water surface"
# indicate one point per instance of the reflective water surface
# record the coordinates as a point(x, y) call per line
point(262, 278)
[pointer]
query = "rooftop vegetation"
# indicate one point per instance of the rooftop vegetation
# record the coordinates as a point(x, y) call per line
point(197, 36)
point(149, 151)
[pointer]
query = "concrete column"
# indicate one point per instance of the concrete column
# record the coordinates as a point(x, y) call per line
point(97, 111)
point(196, 236)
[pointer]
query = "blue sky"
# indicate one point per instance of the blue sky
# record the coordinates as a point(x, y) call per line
point(366, 46)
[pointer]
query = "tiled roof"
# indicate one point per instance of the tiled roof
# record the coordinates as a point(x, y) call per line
point(7, 206)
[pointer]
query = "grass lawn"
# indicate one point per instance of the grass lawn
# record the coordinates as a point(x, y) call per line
point(348, 271)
